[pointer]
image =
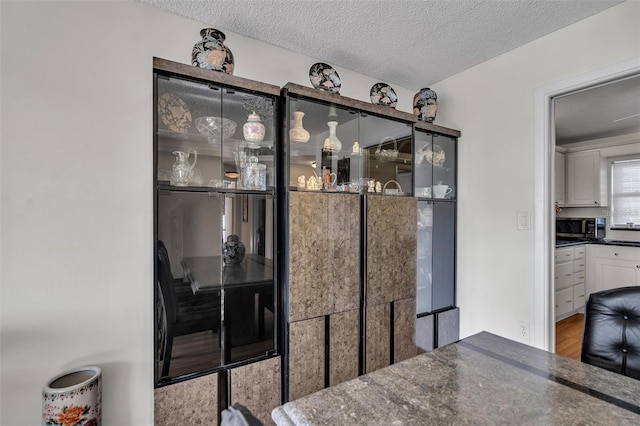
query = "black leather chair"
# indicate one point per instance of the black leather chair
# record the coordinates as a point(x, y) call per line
point(611, 338)
point(179, 316)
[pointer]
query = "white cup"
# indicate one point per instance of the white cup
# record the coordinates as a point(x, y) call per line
point(441, 191)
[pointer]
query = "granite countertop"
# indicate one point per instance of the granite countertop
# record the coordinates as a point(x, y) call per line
point(605, 241)
point(483, 379)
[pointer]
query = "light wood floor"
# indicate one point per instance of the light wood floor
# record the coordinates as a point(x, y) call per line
point(569, 336)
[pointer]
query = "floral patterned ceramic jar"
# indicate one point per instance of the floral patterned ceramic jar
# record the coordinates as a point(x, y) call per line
point(253, 130)
point(73, 398)
point(211, 53)
point(425, 105)
point(233, 250)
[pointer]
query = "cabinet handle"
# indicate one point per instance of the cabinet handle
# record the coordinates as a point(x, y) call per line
point(615, 254)
point(581, 295)
point(567, 275)
point(637, 266)
point(568, 301)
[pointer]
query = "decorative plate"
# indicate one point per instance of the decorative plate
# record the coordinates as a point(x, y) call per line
point(436, 155)
point(383, 94)
point(174, 113)
point(324, 77)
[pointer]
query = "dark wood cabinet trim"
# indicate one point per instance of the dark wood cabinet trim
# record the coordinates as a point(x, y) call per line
point(214, 76)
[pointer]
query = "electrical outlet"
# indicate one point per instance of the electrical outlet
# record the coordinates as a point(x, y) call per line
point(523, 330)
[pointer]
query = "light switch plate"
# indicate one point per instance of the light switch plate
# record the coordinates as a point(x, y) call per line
point(523, 221)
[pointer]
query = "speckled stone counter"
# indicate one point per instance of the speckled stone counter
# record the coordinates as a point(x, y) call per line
point(483, 379)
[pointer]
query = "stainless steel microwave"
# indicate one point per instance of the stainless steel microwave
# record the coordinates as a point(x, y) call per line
point(586, 227)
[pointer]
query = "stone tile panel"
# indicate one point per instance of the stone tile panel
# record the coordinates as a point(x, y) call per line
point(404, 345)
point(257, 387)
point(381, 266)
point(195, 400)
point(377, 337)
point(306, 357)
point(343, 347)
point(343, 266)
point(308, 295)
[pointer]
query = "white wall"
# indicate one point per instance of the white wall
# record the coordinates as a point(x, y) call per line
point(493, 105)
point(76, 209)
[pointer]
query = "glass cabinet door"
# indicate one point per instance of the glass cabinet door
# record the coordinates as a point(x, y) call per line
point(210, 136)
point(248, 276)
point(215, 151)
point(435, 257)
point(337, 149)
point(435, 165)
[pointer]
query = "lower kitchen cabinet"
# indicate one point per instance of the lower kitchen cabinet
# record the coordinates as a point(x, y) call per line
point(564, 302)
point(611, 266)
point(569, 280)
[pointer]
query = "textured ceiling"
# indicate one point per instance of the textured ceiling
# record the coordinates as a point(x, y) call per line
point(412, 43)
point(415, 43)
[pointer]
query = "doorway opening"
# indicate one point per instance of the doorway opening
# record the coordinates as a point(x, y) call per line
point(544, 199)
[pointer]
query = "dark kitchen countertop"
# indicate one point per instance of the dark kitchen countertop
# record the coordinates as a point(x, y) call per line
point(605, 242)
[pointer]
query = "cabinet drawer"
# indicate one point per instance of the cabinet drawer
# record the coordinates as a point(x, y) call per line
point(563, 275)
point(618, 252)
point(564, 301)
point(579, 277)
point(579, 294)
point(579, 265)
point(564, 254)
point(579, 252)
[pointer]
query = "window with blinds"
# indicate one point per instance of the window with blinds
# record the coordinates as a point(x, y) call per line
point(625, 192)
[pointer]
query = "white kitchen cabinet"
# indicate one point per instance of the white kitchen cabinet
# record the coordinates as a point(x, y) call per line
point(569, 280)
point(613, 267)
point(564, 302)
point(585, 179)
point(579, 296)
point(560, 178)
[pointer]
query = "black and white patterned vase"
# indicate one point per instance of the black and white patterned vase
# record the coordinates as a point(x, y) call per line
point(425, 105)
point(211, 53)
point(233, 251)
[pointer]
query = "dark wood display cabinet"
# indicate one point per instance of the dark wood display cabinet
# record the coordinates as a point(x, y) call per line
point(435, 173)
point(349, 242)
point(215, 237)
point(301, 239)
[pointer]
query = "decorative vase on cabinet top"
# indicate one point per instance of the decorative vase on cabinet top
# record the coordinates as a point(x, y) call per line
point(297, 132)
point(425, 105)
point(233, 250)
point(211, 53)
point(253, 130)
point(332, 143)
